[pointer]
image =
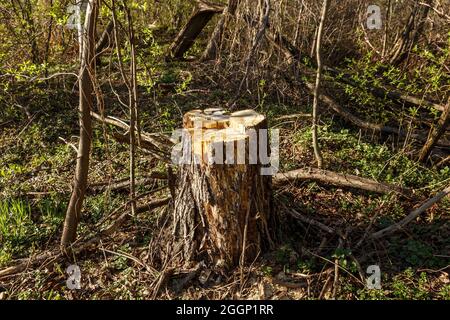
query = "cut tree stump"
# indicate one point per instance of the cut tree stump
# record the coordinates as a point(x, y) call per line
point(223, 201)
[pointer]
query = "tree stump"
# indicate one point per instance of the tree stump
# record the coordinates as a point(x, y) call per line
point(222, 207)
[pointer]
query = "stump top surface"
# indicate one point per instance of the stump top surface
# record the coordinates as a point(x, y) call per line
point(218, 118)
point(216, 125)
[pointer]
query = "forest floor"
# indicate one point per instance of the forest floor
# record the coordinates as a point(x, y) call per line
point(37, 159)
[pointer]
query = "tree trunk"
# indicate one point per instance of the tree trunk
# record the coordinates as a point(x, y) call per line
point(87, 72)
point(222, 209)
point(197, 21)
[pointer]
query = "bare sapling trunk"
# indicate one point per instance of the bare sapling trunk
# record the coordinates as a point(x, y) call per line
point(316, 146)
point(200, 17)
point(86, 93)
point(222, 209)
point(133, 107)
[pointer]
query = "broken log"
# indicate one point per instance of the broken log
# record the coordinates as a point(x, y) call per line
point(222, 209)
point(348, 116)
point(199, 18)
point(123, 184)
point(156, 144)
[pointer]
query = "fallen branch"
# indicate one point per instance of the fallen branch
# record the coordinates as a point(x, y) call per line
point(339, 179)
point(158, 140)
point(155, 144)
point(436, 133)
point(125, 183)
point(293, 54)
point(443, 162)
point(297, 215)
point(410, 217)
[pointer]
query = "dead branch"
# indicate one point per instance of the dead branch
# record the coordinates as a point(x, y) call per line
point(263, 25)
point(211, 51)
point(365, 124)
point(339, 179)
point(410, 217)
point(293, 54)
point(156, 144)
point(297, 215)
point(125, 183)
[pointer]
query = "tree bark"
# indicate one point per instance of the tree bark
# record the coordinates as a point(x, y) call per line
point(222, 209)
point(86, 84)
